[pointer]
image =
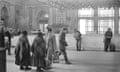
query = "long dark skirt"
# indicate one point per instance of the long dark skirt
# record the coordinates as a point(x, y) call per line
point(26, 60)
point(38, 61)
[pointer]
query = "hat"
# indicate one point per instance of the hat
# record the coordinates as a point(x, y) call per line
point(40, 33)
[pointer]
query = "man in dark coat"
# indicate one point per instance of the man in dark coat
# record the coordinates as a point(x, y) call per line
point(2, 40)
point(77, 36)
point(8, 35)
point(23, 52)
point(108, 36)
point(63, 44)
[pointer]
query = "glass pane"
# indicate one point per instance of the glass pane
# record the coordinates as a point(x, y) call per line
point(86, 12)
point(119, 26)
point(82, 24)
point(106, 12)
point(103, 25)
point(89, 25)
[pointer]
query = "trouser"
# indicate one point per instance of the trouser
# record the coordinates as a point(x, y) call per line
point(65, 55)
point(78, 45)
point(107, 44)
point(9, 48)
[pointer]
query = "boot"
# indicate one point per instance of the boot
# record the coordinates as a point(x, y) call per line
point(27, 68)
point(21, 68)
point(68, 62)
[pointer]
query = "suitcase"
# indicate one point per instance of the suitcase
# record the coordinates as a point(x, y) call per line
point(112, 47)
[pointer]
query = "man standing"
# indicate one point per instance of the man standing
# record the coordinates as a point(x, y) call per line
point(77, 36)
point(9, 42)
point(2, 51)
point(108, 36)
point(2, 40)
point(63, 44)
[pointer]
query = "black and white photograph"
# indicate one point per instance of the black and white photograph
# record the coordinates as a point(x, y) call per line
point(59, 35)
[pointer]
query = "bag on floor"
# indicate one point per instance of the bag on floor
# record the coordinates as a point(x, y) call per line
point(56, 57)
point(112, 47)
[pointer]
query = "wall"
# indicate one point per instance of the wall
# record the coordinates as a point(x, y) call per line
point(65, 17)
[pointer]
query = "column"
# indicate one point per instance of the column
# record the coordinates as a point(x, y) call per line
point(2, 52)
point(50, 22)
point(96, 20)
point(30, 17)
point(116, 20)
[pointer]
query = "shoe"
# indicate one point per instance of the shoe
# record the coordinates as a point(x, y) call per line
point(68, 62)
point(39, 70)
point(21, 68)
point(27, 68)
point(47, 68)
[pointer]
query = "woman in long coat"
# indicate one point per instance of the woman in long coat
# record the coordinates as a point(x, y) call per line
point(22, 52)
point(51, 46)
point(39, 52)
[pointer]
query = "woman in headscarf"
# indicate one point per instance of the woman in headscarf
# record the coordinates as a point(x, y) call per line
point(51, 46)
point(39, 52)
point(23, 52)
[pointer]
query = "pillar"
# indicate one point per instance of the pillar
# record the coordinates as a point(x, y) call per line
point(30, 17)
point(2, 52)
point(116, 20)
point(96, 20)
point(2, 60)
point(52, 19)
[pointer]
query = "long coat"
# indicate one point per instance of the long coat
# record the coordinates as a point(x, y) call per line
point(39, 52)
point(22, 52)
point(51, 46)
point(62, 41)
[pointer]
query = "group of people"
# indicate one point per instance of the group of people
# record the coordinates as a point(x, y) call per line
point(5, 39)
point(6, 35)
point(108, 45)
point(42, 51)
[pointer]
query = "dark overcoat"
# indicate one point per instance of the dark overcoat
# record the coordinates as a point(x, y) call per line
point(62, 41)
point(39, 52)
point(22, 52)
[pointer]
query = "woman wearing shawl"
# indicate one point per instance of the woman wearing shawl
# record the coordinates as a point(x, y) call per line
point(39, 52)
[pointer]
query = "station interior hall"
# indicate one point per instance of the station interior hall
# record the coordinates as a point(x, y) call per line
point(91, 17)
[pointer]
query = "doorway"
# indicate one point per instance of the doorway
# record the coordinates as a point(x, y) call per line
point(82, 26)
point(43, 27)
point(4, 16)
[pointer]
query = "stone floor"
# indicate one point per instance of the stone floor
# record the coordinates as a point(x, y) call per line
point(83, 61)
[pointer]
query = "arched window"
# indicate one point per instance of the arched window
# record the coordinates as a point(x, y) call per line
point(4, 15)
